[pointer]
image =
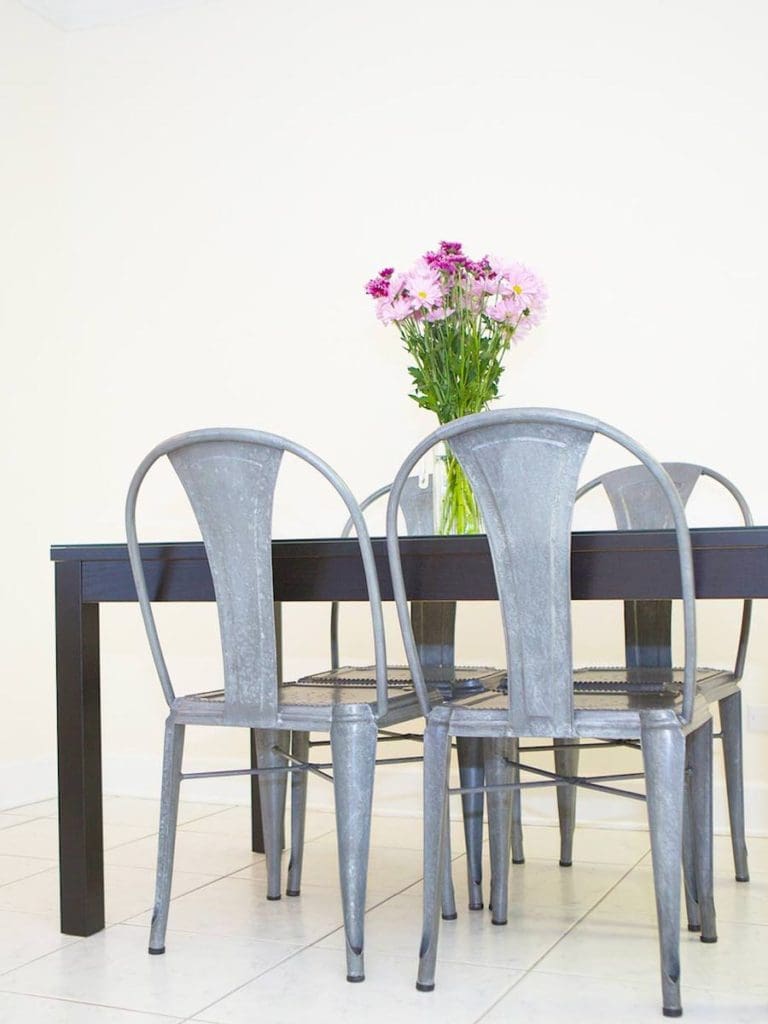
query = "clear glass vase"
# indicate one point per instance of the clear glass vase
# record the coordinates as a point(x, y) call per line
point(455, 508)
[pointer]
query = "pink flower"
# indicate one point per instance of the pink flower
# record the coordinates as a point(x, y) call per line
point(423, 284)
point(395, 310)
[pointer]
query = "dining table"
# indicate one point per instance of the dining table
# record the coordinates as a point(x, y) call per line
point(729, 563)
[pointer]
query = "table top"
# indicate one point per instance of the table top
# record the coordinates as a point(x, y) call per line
point(729, 562)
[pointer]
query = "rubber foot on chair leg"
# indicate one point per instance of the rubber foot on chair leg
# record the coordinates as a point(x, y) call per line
point(742, 878)
point(498, 922)
point(521, 861)
point(709, 939)
point(566, 863)
point(354, 978)
point(449, 917)
point(272, 899)
point(694, 927)
point(425, 988)
point(156, 952)
point(475, 906)
point(671, 1013)
point(292, 892)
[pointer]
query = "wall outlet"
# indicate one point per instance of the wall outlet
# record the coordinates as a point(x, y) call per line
point(757, 718)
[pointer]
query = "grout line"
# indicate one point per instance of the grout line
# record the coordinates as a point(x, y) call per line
point(101, 1006)
point(564, 935)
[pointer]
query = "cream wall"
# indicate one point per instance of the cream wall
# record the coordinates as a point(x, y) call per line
point(193, 199)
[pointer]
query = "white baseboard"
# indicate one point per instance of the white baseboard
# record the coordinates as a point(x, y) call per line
point(397, 793)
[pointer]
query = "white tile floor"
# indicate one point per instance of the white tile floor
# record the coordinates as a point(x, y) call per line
point(580, 942)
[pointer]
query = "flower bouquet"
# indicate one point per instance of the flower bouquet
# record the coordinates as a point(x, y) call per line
point(457, 317)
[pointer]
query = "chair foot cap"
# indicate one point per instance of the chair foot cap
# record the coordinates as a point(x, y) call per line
point(273, 899)
point(156, 952)
point(671, 1013)
point(742, 878)
point(499, 922)
point(353, 979)
point(449, 917)
point(709, 939)
point(475, 906)
point(694, 927)
point(293, 892)
point(520, 861)
point(425, 988)
point(566, 863)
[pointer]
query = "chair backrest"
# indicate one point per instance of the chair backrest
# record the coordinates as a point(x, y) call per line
point(523, 465)
point(638, 504)
point(229, 476)
point(434, 622)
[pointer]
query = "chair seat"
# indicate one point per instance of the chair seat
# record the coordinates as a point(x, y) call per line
point(308, 705)
point(452, 682)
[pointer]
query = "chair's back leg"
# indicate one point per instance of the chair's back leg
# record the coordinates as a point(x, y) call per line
point(730, 727)
point(166, 844)
point(299, 782)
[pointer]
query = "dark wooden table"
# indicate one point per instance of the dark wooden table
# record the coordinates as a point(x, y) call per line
point(729, 563)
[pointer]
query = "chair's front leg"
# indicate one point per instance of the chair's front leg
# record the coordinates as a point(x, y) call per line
point(299, 782)
point(469, 750)
point(699, 749)
point(566, 763)
point(272, 790)
point(664, 763)
point(437, 755)
point(353, 752)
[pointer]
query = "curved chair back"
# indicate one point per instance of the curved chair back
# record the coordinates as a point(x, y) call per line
point(523, 465)
point(434, 622)
point(229, 476)
point(638, 504)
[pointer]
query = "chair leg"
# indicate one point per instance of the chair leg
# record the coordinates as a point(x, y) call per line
point(566, 763)
point(353, 751)
point(299, 781)
point(272, 790)
point(498, 771)
point(518, 853)
point(437, 755)
point(664, 764)
point(471, 774)
point(169, 812)
point(730, 727)
point(699, 753)
point(449, 896)
point(689, 857)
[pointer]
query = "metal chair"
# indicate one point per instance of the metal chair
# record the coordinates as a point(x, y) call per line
point(229, 476)
point(523, 465)
point(434, 628)
point(638, 504)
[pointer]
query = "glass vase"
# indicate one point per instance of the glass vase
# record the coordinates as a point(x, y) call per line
point(455, 508)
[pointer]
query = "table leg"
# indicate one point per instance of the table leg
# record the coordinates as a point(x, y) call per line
point(257, 833)
point(81, 845)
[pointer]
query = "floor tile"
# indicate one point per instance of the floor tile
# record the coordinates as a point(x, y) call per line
point(23, 937)
point(238, 907)
point(387, 995)
point(207, 854)
point(127, 891)
point(541, 998)
point(609, 945)
point(14, 868)
point(113, 968)
point(236, 821)
point(22, 1009)
point(394, 928)
point(39, 837)
point(593, 845)
point(389, 869)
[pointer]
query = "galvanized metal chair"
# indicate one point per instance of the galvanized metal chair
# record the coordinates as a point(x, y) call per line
point(523, 465)
point(434, 628)
point(229, 476)
point(638, 504)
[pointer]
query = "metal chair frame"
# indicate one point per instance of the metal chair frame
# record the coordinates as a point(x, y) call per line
point(229, 476)
point(523, 465)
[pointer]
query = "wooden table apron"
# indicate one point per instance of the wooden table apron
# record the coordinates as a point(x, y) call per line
point(729, 563)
